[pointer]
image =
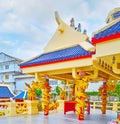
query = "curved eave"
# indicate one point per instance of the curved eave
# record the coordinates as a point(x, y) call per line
point(107, 38)
point(64, 65)
point(22, 95)
point(72, 53)
point(7, 91)
point(57, 61)
point(110, 16)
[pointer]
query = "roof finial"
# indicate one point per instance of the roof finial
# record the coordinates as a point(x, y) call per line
point(60, 22)
point(72, 23)
point(57, 17)
point(79, 27)
point(85, 32)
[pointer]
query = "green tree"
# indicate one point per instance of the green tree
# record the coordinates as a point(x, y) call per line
point(112, 93)
point(94, 93)
point(63, 82)
point(118, 90)
point(58, 90)
point(38, 93)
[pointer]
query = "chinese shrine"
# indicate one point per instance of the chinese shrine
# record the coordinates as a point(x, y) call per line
point(71, 57)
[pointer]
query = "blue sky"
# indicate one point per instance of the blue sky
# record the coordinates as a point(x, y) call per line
point(26, 26)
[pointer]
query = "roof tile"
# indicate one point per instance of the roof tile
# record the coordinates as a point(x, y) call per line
point(109, 33)
point(5, 92)
point(60, 55)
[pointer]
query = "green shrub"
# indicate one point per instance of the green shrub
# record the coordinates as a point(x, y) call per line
point(57, 90)
point(94, 93)
point(38, 93)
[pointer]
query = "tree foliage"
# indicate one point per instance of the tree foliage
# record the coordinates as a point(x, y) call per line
point(38, 93)
point(117, 91)
point(94, 93)
point(63, 82)
point(58, 90)
point(112, 93)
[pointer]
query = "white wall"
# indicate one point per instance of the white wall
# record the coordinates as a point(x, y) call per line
point(94, 86)
point(20, 83)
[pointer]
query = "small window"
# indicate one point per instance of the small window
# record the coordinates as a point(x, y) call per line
point(1, 77)
point(6, 76)
point(1, 67)
point(6, 66)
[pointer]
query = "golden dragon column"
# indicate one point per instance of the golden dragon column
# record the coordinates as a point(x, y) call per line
point(103, 94)
point(46, 98)
point(80, 87)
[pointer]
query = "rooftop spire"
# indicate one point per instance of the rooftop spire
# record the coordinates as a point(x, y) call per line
point(85, 31)
point(57, 17)
point(72, 23)
point(60, 22)
point(79, 27)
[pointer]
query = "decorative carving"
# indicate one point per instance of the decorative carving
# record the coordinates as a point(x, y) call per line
point(80, 87)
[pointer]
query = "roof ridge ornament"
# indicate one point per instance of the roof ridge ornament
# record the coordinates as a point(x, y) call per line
point(72, 23)
point(57, 17)
point(59, 22)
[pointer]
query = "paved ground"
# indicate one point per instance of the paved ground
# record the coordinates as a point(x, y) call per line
point(59, 118)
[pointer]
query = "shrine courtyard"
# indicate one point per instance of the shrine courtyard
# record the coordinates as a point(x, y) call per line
point(95, 117)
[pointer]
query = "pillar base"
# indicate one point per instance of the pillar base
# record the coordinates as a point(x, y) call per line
point(103, 112)
point(80, 118)
point(45, 114)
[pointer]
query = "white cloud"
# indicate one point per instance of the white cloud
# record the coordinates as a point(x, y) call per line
point(34, 20)
point(8, 43)
point(13, 24)
point(5, 5)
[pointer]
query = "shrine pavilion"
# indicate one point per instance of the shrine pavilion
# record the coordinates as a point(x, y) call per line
point(70, 56)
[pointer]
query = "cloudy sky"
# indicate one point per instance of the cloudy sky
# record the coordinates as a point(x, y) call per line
point(26, 26)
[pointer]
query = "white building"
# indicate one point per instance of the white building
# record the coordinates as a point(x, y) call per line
point(8, 68)
point(22, 78)
point(20, 81)
point(94, 86)
point(10, 73)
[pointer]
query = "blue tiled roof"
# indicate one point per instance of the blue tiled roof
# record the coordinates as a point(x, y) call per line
point(22, 95)
point(72, 52)
point(109, 31)
point(116, 15)
point(5, 92)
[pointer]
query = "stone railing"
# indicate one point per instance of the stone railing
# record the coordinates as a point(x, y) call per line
point(115, 106)
point(16, 108)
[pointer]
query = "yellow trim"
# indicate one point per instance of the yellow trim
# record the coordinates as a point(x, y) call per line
point(59, 66)
point(95, 64)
